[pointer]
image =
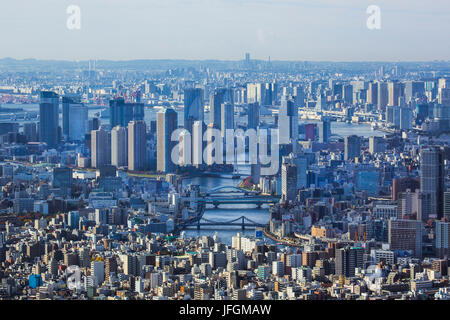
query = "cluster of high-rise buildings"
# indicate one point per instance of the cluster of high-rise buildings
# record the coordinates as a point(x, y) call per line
point(93, 204)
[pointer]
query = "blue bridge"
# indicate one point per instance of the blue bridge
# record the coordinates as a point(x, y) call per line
point(242, 222)
point(235, 195)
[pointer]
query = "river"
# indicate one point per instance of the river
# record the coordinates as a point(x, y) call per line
point(230, 212)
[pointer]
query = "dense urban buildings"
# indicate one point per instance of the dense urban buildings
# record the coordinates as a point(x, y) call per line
point(135, 181)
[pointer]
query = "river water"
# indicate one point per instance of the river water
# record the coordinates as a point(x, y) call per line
point(231, 212)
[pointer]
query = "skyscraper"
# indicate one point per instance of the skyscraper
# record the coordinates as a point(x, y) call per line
point(372, 94)
point(324, 131)
point(49, 118)
point(122, 113)
point(119, 147)
point(66, 102)
point(193, 107)
point(382, 98)
point(395, 92)
point(253, 116)
point(166, 123)
point(227, 115)
point(414, 89)
point(352, 147)
point(299, 96)
point(288, 181)
point(288, 121)
point(137, 146)
point(78, 117)
point(347, 94)
point(100, 154)
point(432, 173)
point(215, 105)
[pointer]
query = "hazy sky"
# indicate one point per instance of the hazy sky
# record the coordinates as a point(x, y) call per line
point(333, 30)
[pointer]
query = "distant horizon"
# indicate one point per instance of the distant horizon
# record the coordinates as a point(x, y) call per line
point(223, 30)
point(224, 60)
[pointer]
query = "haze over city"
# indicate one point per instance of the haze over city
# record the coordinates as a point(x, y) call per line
point(222, 29)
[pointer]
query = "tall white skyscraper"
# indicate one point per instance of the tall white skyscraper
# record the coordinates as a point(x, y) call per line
point(288, 121)
point(100, 149)
point(166, 123)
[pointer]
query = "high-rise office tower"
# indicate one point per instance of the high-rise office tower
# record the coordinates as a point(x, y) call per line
point(382, 98)
point(119, 146)
point(288, 121)
point(100, 150)
point(227, 116)
point(288, 181)
point(215, 105)
point(299, 96)
point(432, 173)
point(352, 147)
point(372, 93)
point(405, 118)
point(122, 113)
point(414, 89)
point(137, 146)
point(193, 107)
point(347, 93)
point(253, 116)
point(66, 102)
point(49, 118)
point(324, 131)
point(166, 123)
point(395, 92)
point(405, 235)
point(78, 115)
